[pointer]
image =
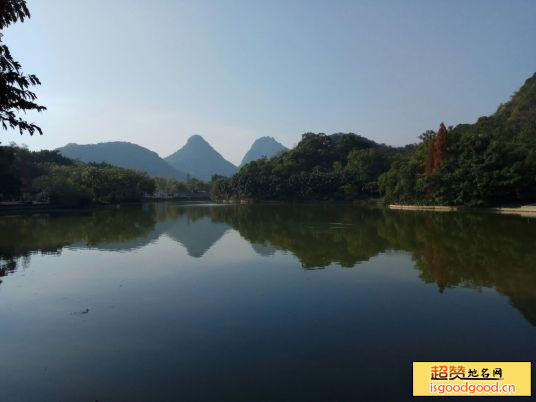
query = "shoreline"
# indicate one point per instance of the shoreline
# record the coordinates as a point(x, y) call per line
point(30, 208)
point(523, 210)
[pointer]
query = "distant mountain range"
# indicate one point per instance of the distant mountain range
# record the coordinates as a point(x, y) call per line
point(264, 147)
point(200, 160)
point(196, 159)
point(123, 154)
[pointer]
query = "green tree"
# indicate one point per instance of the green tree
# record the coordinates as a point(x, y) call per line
point(15, 96)
point(488, 163)
point(367, 164)
point(341, 166)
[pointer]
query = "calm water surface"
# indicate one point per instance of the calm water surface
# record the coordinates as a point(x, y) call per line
point(256, 302)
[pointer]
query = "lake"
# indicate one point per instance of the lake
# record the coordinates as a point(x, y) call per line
point(165, 302)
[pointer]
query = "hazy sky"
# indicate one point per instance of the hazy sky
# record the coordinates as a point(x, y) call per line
point(155, 72)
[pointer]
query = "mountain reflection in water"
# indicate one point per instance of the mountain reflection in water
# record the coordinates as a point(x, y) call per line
point(449, 249)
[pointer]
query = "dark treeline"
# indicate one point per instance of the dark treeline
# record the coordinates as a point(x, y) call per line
point(491, 162)
point(321, 167)
point(192, 187)
point(48, 177)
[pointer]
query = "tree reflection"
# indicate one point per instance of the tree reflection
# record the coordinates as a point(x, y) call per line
point(21, 236)
point(449, 249)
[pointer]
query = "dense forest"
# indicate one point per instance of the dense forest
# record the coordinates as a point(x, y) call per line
point(321, 167)
point(491, 162)
point(48, 177)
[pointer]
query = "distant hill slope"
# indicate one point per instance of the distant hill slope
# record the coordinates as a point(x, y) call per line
point(521, 109)
point(488, 163)
point(341, 166)
point(123, 154)
point(514, 120)
point(264, 147)
point(200, 160)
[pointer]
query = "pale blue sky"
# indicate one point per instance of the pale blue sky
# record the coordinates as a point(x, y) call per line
point(155, 72)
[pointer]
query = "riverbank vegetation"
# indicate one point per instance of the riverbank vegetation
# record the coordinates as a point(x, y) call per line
point(166, 187)
point(48, 177)
point(341, 166)
point(491, 162)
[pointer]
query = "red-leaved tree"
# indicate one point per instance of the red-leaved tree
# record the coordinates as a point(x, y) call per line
point(440, 147)
point(437, 151)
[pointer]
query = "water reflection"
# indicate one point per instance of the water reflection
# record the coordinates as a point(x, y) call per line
point(450, 250)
